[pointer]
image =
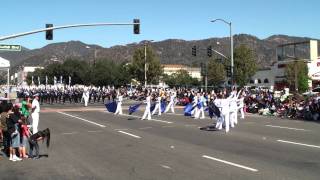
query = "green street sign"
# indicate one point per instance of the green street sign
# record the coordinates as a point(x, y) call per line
point(7, 47)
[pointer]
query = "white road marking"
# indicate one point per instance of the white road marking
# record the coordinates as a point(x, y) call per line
point(82, 119)
point(284, 127)
point(145, 128)
point(290, 142)
point(69, 133)
point(120, 129)
point(129, 134)
point(157, 120)
point(95, 131)
point(230, 163)
point(165, 166)
point(172, 147)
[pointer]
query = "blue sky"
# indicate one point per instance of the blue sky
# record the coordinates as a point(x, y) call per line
point(160, 20)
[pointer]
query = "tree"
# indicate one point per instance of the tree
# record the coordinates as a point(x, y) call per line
point(154, 68)
point(244, 65)
point(216, 72)
point(302, 75)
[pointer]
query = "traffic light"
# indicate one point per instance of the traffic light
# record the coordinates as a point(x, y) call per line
point(136, 26)
point(209, 51)
point(49, 33)
point(228, 69)
point(194, 51)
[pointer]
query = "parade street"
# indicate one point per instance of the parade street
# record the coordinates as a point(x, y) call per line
point(90, 143)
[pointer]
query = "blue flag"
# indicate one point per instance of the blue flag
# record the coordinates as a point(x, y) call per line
point(200, 104)
point(134, 108)
point(163, 106)
point(214, 110)
point(187, 109)
point(152, 107)
point(111, 106)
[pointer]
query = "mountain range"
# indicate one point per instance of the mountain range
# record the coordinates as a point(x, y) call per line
point(170, 51)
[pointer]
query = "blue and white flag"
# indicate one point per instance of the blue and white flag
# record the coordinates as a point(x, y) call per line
point(188, 109)
point(111, 106)
point(134, 108)
point(200, 104)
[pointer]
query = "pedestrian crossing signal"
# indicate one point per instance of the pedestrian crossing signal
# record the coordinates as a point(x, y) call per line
point(136, 26)
point(194, 51)
point(49, 33)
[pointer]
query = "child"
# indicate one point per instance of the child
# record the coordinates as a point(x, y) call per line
point(24, 137)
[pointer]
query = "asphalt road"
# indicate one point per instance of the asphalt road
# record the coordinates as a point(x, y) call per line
point(89, 143)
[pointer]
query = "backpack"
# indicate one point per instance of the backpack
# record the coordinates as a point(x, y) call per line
point(3, 121)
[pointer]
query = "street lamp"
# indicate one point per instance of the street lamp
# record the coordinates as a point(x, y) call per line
point(95, 55)
point(231, 45)
point(145, 61)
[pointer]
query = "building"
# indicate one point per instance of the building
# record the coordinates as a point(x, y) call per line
point(274, 76)
point(194, 72)
point(20, 76)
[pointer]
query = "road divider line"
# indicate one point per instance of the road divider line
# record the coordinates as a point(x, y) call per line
point(284, 127)
point(129, 134)
point(301, 144)
point(82, 119)
point(230, 163)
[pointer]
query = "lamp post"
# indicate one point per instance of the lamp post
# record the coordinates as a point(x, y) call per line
point(95, 55)
point(231, 46)
point(145, 61)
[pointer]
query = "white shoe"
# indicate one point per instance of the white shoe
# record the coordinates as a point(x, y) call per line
point(15, 158)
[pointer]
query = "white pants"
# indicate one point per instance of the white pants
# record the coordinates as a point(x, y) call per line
point(158, 107)
point(197, 113)
point(170, 105)
point(146, 113)
point(86, 101)
point(242, 112)
point(119, 109)
point(35, 122)
point(219, 122)
point(225, 116)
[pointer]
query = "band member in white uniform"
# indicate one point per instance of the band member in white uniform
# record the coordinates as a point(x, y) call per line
point(233, 108)
point(225, 111)
point(200, 107)
point(119, 104)
point(220, 120)
point(171, 103)
point(158, 106)
point(147, 110)
point(85, 96)
point(35, 113)
point(241, 105)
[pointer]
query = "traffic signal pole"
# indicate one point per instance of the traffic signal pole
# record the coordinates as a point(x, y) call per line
point(67, 26)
